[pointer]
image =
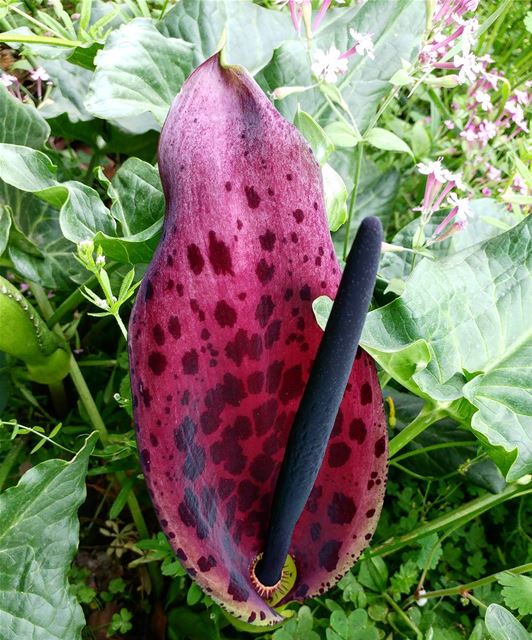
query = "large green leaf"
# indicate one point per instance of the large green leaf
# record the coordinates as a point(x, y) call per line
point(138, 73)
point(252, 32)
point(21, 123)
point(461, 328)
point(70, 83)
point(138, 205)
point(82, 212)
point(489, 219)
point(397, 29)
point(38, 539)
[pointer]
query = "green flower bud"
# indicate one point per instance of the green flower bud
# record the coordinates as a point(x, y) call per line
point(25, 335)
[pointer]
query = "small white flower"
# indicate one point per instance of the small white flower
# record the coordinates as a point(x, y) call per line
point(469, 67)
point(39, 74)
point(462, 206)
point(364, 43)
point(8, 80)
point(469, 134)
point(449, 124)
point(457, 179)
point(100, 261)
point(328, 65)
point(434, 168)
point(484, 100)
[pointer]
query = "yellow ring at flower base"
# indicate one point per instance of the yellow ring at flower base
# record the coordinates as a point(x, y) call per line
point(276, 592)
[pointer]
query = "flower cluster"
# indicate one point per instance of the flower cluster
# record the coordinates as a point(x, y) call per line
point(13, 84)
point(441, 185)
point(328, 65)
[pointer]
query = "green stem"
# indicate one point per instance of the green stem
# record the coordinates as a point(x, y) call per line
point(9, 461)
point(427, 416)
point(22, 39)
point(459, 516)
point(59, 398)
point(33, 20)
point(435, 447)
point(402, 615)
point(352, 203)
point(461, 588)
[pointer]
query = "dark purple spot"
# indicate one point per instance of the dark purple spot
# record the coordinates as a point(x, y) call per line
point(338, 424)
point(292, 385)
point(358, 431)
point(370, 513)
point(339, 454)
point(329, 555)
point(219, 255)
point(264, 271)
point(271, 192)
point(273, 376)
point(365, 393)
point(370, 484)
point(255, 382)
point(247, 494)
point(154, 440)
point(304, 292)
point(157, 362)
point(190, 362)
point(195, 259)
point(264, 416)
point(252, 197)
point(288, 294)
point(174, 327)
point(194, 462)
point(294, 237)
point(145, 458)
point(380, 446)
point(206, 564)
point(145, 395)
point(298, 215)
point(267, 241)
point(242, 346)
point(205, 334)
point(261, 468)
point(158, 334)
point(272, 333)
point(315, 531)
point(228, 186)
point(148, 293)
point(225, 314)
point(184, 434)
point(264, 310)
point(342, 509)
point(226, 486)
point(289, 177)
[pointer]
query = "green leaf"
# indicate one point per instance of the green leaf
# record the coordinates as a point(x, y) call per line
point(373, 574)
point(502, 625)
point(314, 135)
point(5, 227)
point(467, 314)
point(397, 27)
point(335, 197)
point(388, 141)
point(138, 73)
point(82, 212)
point(21, 123)
point(322, 309)
point(202, 23)
point(517, 592)
point(289, 67)
point(38, 539)
point(138, 206)
point(341, 134)
point(488, 220)
point(69, 90)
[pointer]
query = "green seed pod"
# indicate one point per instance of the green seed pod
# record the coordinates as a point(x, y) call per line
point(25, 335)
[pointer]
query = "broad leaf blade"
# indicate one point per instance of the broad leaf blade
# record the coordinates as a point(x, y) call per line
point(469, 311)
point(38, 538)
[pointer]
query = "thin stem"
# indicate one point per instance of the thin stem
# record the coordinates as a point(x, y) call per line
point(462, 588)
point(435, 447)
point(426, 417)
point(459, 516)
point(33, 20)
point(410, 623)
point(352, 203)
point(9, 461)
